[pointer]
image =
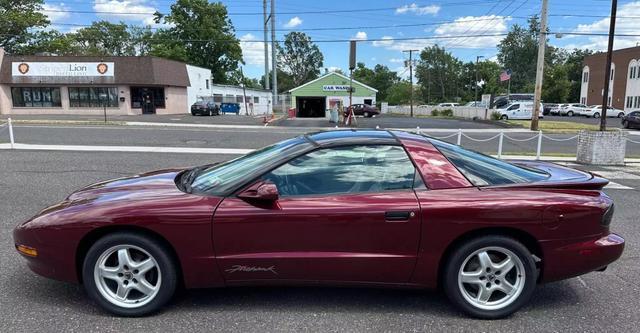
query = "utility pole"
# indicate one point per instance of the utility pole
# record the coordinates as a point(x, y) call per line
point(274, 62)
point(475, 101)
point(542, 40)
point(411, 75)
point(607, 74)
point(266, 44)
point(244, 92)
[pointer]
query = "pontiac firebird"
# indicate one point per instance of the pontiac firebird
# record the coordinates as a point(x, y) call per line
point(367, 207)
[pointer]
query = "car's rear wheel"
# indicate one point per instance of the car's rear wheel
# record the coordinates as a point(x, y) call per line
point(504, 117)
point(621, 114)
point(490, 277)
point(366, 114)
point(129, 274)
point(596, 115)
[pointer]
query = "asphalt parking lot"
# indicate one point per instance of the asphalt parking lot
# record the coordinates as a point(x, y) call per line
point(611, 122)
point(30, 180)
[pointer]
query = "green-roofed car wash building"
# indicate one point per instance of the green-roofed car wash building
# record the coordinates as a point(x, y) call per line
point(313, 98)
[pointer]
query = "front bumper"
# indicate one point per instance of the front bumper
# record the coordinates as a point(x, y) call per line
point(568, 258)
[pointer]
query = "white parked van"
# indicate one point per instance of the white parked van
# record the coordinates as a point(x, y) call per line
point(519, 110)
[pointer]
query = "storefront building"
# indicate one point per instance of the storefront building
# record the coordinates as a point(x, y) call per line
point(88, 85)
point(313, 98)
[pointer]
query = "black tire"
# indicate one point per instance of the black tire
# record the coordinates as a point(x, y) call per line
point(504, 117)
point(569, 113)
point(596, 115)
point(366, 114)
point(166, 266)
point(621, 114)
point(625, 124)
point(457, 259)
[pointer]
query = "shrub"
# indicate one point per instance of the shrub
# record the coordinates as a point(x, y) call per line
point(435, 112)
point(495, 115)
point(447, 113)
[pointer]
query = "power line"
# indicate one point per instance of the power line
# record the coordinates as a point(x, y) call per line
point(327, 28)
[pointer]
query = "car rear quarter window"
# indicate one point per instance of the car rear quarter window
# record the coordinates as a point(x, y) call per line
point(353, 169)
point(483, 170)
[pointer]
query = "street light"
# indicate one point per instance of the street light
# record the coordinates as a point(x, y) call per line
point(475, 101)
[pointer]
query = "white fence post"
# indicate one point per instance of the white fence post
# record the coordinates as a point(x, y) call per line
point(500, 144)
point(538, 151)
point(10, 132)
point(459, 136)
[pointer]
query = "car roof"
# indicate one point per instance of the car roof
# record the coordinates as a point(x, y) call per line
point(352, 136)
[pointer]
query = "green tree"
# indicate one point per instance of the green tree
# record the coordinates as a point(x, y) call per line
point(201, 34)
point(399, 93)
point(48, 41)
point(299, 58)
point(103, 38)
point(17, 20)
point(440, 75)
point(380, 78)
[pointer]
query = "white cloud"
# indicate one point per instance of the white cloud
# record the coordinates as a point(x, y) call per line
point(293, 22)
point(53, 12)
point(253, 50)
point(623, 26)
point(396, 60)
point(474, 25)
point(334, 69)
point(123, 9)
point(415, 9)
point(385, 41)
point(360, 35)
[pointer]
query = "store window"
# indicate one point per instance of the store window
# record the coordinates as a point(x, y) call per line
point(86, 97)
point(256, 100)
point(629, 102)
point(207, 83)
point(35, 97)
point(217, 98)
point(239, 99)
point(138, 94)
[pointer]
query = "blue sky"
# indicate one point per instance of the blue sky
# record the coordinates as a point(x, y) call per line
point(384, 28)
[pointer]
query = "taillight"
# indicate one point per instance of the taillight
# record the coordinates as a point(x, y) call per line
point(608, 215)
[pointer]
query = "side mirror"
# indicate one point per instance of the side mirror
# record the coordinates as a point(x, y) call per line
point(265, 191)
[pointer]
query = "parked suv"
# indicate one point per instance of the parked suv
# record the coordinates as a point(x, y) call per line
point(204, 108)
point(573, 109)
point(631, 120)
point(448, 105)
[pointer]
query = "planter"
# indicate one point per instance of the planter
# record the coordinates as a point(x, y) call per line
point(601, 148)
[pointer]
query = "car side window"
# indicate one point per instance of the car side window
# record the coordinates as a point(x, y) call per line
point(514, 106)
point(352, 169)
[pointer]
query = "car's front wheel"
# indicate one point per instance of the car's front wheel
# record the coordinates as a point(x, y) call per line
point(129, 274)
point(490, 277)
point(596, 115)
point(504, 117)
point(621, 114)
point(570, 113)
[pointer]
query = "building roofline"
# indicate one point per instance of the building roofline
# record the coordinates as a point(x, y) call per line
point(332, 73)
point(239, 87)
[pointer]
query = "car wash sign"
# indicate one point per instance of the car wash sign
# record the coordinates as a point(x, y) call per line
point(62, 69)
point(335, 87)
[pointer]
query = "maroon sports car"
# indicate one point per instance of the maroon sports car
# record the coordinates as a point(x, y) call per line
point(367, 207)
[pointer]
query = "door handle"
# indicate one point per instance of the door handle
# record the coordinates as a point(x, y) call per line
point(398, 216)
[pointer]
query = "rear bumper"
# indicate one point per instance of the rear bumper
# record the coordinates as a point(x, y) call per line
point(568, 258)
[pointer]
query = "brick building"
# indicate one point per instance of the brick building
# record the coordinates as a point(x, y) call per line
point(624, 89)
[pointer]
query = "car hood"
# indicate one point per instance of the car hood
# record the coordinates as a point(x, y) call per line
point(150, 185)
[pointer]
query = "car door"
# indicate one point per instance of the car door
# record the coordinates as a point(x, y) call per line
point(343, 214)
point(514, 111)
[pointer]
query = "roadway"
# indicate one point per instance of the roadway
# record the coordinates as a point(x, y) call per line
point(259, 136)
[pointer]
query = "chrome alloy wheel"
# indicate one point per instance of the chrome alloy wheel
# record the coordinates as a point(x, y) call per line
point(491, 278)
point(127, 276)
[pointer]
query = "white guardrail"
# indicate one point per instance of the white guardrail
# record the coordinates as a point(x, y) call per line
point(501, 136)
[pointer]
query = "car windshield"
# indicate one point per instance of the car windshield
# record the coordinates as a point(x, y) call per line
point(483, 170)
point(219, 179)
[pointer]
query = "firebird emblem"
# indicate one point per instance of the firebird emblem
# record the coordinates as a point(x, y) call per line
point(241, 268)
